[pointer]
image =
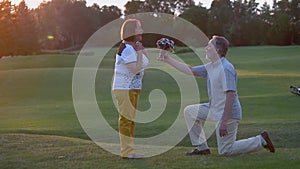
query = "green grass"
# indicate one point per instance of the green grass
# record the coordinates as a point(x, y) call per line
point(39, 127)
point(65, 152)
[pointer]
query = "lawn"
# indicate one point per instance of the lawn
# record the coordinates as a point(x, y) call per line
point(39, 127)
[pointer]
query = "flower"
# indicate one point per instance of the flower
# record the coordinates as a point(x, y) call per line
point(166, 44)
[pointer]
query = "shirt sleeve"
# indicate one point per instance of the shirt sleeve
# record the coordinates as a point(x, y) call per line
point(230, 80)
point(129, 55)
point(200, 71)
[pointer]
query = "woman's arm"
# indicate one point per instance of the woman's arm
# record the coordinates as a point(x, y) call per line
point(136, 67)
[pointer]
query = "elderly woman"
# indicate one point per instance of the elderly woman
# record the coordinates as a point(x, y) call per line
point(131, 60)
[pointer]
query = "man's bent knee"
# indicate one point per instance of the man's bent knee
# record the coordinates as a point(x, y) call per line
point(225, 151)
point(189, 111)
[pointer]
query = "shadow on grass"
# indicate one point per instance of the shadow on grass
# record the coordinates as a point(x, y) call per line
point(44, 151)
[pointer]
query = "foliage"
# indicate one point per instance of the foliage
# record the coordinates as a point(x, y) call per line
point(26, 39)
point(6, 28)
point(65, 24)
point(244, 23)
point(158, 6)
point(198, 16)
point(18, 30)
point(71, 23)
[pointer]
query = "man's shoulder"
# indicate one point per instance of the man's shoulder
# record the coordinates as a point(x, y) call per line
point(227, 64)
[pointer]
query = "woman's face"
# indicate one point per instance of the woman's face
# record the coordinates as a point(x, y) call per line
point(138, 32)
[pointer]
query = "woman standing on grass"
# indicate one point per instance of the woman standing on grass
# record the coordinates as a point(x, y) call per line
point(131, 60)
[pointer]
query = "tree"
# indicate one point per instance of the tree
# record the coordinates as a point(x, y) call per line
point(26, 40)
point(6, 28)
point(239, 12)
point(295, 19)
point(220, 18)
point(198, 16)
point(265, 16)
point(70, 22)
point(251, 27)
point(281, 25)
point(75, 13)
point(158, 6)
point(132, 7)
point(48, 18)
point(109, 13)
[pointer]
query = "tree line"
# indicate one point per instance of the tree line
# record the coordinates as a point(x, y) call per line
point(67, 24)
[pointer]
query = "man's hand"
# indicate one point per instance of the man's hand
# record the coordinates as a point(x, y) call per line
point(223, 129)
point(230, 95)
point(163, 55)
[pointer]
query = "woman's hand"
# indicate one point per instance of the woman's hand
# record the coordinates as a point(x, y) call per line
point(140, 49)
point(138, 46)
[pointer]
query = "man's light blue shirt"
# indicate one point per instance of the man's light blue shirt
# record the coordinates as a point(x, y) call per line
point(218, 83)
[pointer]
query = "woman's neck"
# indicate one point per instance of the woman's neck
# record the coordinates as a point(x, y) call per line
point(129, 42)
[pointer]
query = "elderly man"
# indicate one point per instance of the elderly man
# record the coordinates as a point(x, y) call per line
point(224, 107)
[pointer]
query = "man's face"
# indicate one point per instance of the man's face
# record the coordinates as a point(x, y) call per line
point(211, 51)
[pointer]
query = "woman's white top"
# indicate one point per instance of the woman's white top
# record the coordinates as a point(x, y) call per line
point(124, 79)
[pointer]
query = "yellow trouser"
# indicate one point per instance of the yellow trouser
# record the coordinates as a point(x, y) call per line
point(127, 101)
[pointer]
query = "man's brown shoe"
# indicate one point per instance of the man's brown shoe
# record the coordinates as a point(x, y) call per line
point(198, 152)
point(269, 144)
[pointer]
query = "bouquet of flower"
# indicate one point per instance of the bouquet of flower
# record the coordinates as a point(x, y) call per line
point(166, 44)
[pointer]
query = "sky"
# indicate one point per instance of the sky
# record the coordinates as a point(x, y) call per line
point(120, 3)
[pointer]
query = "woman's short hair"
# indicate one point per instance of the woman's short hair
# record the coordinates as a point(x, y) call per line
point(128, 29)
point(221, 44)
